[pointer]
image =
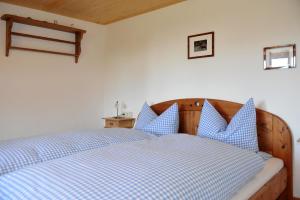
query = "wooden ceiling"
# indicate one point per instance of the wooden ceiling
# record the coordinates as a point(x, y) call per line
point(97, 11)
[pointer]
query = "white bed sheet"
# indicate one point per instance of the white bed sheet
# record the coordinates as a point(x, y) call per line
point(271, 167)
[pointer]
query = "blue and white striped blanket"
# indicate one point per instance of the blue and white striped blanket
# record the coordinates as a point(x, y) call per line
point(168, 167)
point(16, 154)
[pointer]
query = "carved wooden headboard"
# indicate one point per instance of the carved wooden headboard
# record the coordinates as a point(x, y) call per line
point(274, 135)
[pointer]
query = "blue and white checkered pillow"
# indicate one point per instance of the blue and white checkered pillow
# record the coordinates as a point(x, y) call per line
point(145, 117)
point(211, 121)
point(19, 153)
point(241, 131)
point(166, 123)
point(16, 155)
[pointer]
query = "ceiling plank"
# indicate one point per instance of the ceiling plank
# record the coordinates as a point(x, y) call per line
point(97, 11)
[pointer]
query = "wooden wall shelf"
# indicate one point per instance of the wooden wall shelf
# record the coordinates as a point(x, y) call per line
point(10, 19)
point(42, 38)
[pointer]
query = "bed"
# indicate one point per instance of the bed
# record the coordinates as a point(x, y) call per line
point(126, 166)
point(274, 137)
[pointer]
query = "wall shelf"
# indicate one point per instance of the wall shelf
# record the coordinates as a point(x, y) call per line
point(42, 38)
point(11, 19)
point(42, 51)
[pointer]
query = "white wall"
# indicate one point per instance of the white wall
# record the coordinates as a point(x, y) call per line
point(44, 93)
point(146, 57)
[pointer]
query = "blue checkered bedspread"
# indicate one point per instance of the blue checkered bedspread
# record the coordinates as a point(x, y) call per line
point(169, 167)
point(16, 154)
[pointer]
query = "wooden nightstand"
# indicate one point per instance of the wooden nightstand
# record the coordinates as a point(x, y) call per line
point(120, 122)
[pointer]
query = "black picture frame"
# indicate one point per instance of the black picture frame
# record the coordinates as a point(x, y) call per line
point(202, 44)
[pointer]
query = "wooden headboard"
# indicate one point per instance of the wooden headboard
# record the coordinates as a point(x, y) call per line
point(274, 135)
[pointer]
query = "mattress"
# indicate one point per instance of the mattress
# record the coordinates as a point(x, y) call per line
point(271, 167)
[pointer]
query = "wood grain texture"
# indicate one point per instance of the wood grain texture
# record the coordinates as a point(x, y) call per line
point(274, 135)
point(273, 188)
point(10, 19)
point(42, 24)
point(124, 122)
point(97, 11)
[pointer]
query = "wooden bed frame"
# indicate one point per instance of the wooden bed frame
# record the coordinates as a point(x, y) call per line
point(274, 137)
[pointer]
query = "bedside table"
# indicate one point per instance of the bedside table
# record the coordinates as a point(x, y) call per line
point(120, 122)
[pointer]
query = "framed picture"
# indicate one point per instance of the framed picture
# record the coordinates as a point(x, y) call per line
point(201, 45)
point(278, 57)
